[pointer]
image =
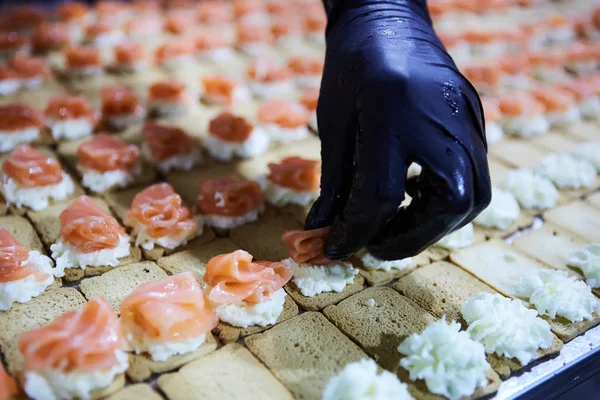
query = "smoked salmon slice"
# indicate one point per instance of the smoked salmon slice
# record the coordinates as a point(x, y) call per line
point(228, 196)
point(283, 113)
point(82, 57)
point(129, 52)
point(266, 70)
point(215, 12)
point(172, 309)
point(119, 101)
point(99, 29)
point(219, 89)
point(230, 128)
point(15, 117)
point(88, 227)
point(234, 278)
point(7, 73)
point(13, 256)
point(29, 67)
point(286, 26)
point(84, 340)
point(210, 40)
point(582, 89)
point(309, 98)
point(306, 65)
point(177, 23)
point(171, 91)
point(69, 107)
point(158, 211)
point(165, 142)
point(246, 7)
point(71, 11)
point(12, 41)
point(518, 105)
point(315, 21)
point(248, 32)
point(32, 168)
point(106, 153)
point(8, 385)
point(48, 37)
point(169, 51)
point(306, 247)
point(491, 109)
point(297, 173)
point(483, 74)
point(554, 99)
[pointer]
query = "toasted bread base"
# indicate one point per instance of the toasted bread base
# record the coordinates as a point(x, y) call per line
point(322, 300)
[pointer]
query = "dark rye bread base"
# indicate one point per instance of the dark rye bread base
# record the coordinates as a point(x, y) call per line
point(22, 230)
point(115, 285)
point(120, 201)
point(375, 277)
point(381, 328)
point(228, 333)
point(442, 289)
point(136, 392)
point(304, 353)
point(141, 366)
point(322, 300)
point(37, 312)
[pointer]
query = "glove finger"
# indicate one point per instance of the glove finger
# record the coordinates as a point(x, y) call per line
point(378, 182)
point(336, 131)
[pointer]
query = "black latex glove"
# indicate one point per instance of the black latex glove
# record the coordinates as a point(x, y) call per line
point(391, 95)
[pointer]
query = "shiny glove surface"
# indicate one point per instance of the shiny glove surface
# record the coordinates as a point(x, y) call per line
point(390, 96)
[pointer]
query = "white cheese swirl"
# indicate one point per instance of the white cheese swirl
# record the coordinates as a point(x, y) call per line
point(314, 279)
point(567, 171)
point(531, 190)
point(502, 212)
point(458, 239)
point(588, 261)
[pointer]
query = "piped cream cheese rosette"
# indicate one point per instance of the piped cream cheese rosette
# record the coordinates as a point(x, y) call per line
point(361, 380)
point(24, 273)
point(313, 272)
point(532, 190)
point(447, 359)
point(588, 261)
point(370, 262)
point(458, 239)
point(506, 327)
point(246, 293)
point(167, 317)
point(502, 212)
point(556, 294)
point(567, 171)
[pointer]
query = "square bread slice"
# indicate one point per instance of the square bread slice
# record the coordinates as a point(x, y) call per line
point(304, 353)
point(377, 277)
point(552, 246)
point(23, 231)
point(380, 329)
point(186, 182)
point(322, 300)
point(262, 238)
point(77, 191)
point(136, 392)
point(594, 199)
point(37, 312)
point(442, 289)
point(141, 366)
point(555, 142)
point(518, 153)
point(119, 202)
point(117, 284)
point(578, 218)
point(585, 130)
point(231, 372)
point(195, 257)
point(437, 253)
point(228, 333)
point(68, 152)
point(501, 266)
point(47, 223)
point(498, 171)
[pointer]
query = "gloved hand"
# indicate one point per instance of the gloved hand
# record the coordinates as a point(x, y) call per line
point(390, 96)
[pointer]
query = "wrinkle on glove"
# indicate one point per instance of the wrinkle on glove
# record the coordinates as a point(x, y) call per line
point(391, 95)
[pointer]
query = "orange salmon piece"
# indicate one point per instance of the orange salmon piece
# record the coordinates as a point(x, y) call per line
point(107, 153)
point(228, 197)
point(297, 173)
point(118, 101)
point(172, 90)
point(554, 99)
point(315, 21)
point(32, 168)
point(48, 37)
point(491, 109)
point(159, 211)
point(214, 12)
point(13, 256)
point(309, 98)
point(15, 117)
point(12, 41)
point(128, 52)
point(219, 89)
point(230, 128)
point(69, 107)
point(29, 67)
point(8, 385)
point(88, 227)
point(81, 57)
point(71, 11)
point(518, 105)
point(172, 309)
point(306, 247)
point(266, 70)
point(83, 340)
point(166, 141)
point(283, 113)
point(234, 278)
point(306, 65)
point(168, 51)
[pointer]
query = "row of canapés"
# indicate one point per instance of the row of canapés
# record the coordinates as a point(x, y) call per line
point(25, 33)
point(86, 350)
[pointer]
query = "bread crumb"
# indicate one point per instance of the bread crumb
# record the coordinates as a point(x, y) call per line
point(370, 303)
